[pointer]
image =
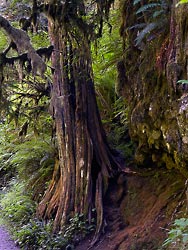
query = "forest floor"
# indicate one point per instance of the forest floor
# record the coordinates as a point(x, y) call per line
point(140, 211)
point(6, 243)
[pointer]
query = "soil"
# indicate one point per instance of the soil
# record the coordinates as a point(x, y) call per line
point(6, 243)
point(139, 209)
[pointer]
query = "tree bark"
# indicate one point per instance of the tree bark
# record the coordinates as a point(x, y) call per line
point(86, 162)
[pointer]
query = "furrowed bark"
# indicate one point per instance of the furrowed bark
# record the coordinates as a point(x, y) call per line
point(86, 162)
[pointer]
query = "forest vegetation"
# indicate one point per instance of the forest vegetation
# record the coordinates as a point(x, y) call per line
point(93, 125)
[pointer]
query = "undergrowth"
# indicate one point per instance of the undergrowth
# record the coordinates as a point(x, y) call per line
point(16, 203)
point(26, 167)
point(177, 235)
point(38, 235)
point(18, 213)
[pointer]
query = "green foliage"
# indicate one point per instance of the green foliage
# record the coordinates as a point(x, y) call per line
point(7, 145)
point(78, 228)
point(106, 55)
point(41, 39)
point(147, 7)
point(105, 58)
point(153, 18)
point(3, 40)
point(178, 235)
point(182, 2)
point(113, 109)
point(16, 204)
point(30, 158)
point(18, 210)
point(119, 136)
point(37, 235)
point(34, 161)
point(183, 81)
point(31, 155)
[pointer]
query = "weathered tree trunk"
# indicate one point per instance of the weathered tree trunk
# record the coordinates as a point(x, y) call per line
point(85, 162)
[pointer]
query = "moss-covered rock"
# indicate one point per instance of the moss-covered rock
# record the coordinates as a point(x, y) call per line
point(158, 105)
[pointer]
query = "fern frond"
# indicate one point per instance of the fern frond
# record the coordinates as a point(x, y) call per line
point(138, 26)
point(144, 32)
point(183, 81)
point(147, 6)
point(135, 2)
point(158, 13)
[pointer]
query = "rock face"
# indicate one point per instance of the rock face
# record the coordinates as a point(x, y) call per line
point(148, 79)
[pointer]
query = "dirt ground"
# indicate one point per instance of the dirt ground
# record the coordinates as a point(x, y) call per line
point(140, 209)
point(5, 241)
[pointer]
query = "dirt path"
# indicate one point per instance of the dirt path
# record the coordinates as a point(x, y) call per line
point(5, 240)
point(139, 212)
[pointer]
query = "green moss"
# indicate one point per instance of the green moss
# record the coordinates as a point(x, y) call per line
point(167, 159)
point(154, 136)
point(181, 165)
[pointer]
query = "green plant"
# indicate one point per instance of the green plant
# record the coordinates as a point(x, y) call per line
point(119, 135)
point(178, 235)
point(30, 158)
point(183, 81)
point(78, 228)
point(37, 235)
point(16, 204)
point(105, 57)
point(182, 2)
point(154, 16)
point(32, 155)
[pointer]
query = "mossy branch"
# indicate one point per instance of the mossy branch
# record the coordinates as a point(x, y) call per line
point(22, 41)
point(41, 52)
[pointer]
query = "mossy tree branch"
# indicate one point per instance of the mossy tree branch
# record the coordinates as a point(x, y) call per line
point(41, 52)
point(23, 44)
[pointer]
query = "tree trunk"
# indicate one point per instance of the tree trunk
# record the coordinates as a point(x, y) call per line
point(85, 161)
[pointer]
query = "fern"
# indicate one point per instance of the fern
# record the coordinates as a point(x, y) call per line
point(155, 17)
point(28, 155)
point(147, 6)
point(183, 81)
point(157, 13)
point(16, 204)
point(144, 32)
point(135, 2)
point(138, 26)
